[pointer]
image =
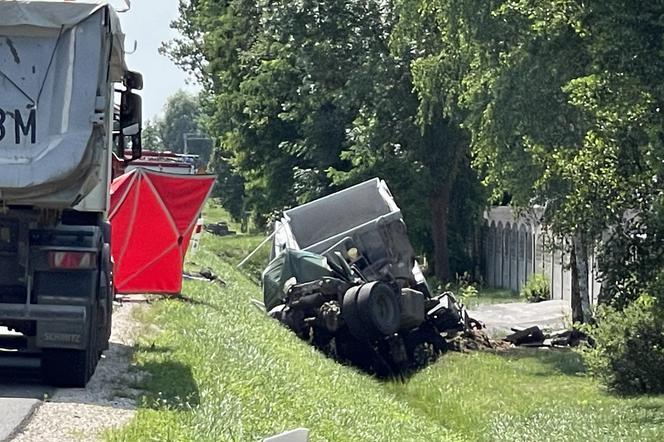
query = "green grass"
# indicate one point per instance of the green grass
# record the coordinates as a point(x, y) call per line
point(220, 370)
point(491, 296)
point(528, 395)
point(214, 212)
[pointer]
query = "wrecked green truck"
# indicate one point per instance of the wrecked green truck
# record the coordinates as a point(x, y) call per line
point(344, 277)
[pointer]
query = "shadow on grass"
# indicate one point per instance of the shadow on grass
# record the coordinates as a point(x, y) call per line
point(647, 412)
point(560, 361)
point(170, 386)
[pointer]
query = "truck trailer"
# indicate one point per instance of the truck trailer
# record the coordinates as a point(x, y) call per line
point(62, 69)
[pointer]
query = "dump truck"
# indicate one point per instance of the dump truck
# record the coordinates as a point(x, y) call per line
point(62, 70)
point(344, 277)
point(361, 223)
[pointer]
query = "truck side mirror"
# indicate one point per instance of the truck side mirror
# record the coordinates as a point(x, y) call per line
point(131, 117)
point(133, 80)
point(131, 109)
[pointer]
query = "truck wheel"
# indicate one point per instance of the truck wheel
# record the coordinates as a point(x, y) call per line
point(351, 315)
point(371, 311)
point(379, 305)
point(105, 311)
point(66, 368)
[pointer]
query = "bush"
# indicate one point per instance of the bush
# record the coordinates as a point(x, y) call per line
point(536, 289)
point(469, 291)
point(628, 350)
point(463, 286)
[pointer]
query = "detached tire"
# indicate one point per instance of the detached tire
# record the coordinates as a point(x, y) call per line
point(372, 310)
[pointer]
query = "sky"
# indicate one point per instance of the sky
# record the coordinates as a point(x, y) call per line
point(147, 23)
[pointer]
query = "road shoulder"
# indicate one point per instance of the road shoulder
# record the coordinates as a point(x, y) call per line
point(83, 414)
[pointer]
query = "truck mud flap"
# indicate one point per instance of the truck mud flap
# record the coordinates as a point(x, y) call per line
point(58, 326)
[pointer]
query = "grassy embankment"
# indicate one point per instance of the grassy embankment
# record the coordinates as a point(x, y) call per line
point(221, 370)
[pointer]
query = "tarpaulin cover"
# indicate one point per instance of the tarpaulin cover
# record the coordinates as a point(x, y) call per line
point(153, 216)
point(54, 67)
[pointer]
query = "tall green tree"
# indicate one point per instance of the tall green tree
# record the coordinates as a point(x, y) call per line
point(301, 92)
point(152, 137)
point(562, 101)
point(182, 114)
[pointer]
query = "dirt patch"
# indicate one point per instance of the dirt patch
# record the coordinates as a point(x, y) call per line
point(109, 401)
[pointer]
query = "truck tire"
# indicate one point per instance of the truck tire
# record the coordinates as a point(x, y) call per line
point(379, 304)
point(66, 368)
point(69, 368)
point(105, 308)
point(371, 311)
point(350, 315)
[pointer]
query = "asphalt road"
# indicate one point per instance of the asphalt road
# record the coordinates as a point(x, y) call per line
point(21, 392)
point(500, 318)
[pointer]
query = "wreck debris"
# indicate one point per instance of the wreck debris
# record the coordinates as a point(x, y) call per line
point(535, 337)
point(204, 274)
point(474, 340)
point(220, 229)
point(526, 336)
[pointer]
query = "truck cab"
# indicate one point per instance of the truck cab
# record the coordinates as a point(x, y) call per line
point(61, 70)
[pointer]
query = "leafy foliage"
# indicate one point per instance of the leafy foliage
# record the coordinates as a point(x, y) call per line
point(628, 350)
point(181, 116)
point(152, 138)
point(230, 185)
point(562, 101)
point(536, 289)
point(306, 97)
point(633, 256)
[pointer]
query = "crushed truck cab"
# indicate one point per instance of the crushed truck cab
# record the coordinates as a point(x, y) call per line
point(61, 64)
point(344, 277)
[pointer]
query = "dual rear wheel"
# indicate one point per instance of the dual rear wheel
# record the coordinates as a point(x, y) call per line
point(72, 368)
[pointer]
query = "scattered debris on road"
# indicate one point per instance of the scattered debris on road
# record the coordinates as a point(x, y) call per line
point(535, 337)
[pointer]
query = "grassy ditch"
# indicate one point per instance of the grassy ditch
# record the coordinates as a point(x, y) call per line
point(220, 370)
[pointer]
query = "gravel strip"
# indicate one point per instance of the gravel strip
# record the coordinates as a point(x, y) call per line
point(79, 414)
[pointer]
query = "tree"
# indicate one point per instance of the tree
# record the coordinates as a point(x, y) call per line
point(182, 113)
point(152, 137)
point(303, 91)
point(561, 101)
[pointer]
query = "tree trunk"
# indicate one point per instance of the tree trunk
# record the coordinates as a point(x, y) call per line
point(581, 252)
point(603, 295)
point(439, 217)
point(577, 310)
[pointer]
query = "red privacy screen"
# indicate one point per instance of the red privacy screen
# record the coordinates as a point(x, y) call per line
point(153, 215)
